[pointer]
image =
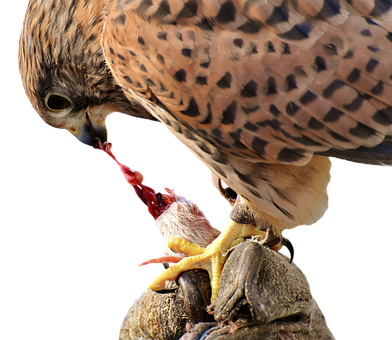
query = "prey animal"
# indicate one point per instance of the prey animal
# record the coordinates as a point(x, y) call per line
point(183, 226)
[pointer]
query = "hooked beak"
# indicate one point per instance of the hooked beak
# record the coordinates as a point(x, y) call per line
point(90, 130)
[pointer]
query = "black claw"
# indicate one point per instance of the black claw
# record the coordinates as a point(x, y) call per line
point(227, 192)
point(290, 247)
point(273, 240)
point(166, 290)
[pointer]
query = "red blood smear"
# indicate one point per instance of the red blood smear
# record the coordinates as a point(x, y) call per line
point(156, 203)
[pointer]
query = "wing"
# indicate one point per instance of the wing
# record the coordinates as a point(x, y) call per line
point(271, 81)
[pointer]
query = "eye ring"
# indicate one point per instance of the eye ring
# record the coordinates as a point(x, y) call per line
point(58, 103)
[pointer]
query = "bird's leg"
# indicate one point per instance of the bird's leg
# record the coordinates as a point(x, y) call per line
point(214, 255)
point(210, 258)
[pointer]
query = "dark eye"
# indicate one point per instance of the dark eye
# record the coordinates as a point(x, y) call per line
point(57, 102)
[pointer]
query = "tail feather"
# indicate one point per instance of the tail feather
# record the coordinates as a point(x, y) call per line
point(378, 155)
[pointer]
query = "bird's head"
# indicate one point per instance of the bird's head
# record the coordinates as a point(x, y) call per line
point(63, 69)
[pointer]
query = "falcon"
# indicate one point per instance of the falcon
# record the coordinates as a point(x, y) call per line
point(261, 91)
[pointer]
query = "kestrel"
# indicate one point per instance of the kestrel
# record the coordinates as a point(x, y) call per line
point(262, 91)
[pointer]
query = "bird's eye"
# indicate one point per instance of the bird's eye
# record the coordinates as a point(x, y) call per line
point(57, 102)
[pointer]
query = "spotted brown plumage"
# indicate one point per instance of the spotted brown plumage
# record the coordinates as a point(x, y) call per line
point(249, 86)
point(260, 91)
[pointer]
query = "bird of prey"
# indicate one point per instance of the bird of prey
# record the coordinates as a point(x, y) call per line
point(261, 91)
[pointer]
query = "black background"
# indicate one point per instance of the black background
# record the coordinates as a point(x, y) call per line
point(82, 230)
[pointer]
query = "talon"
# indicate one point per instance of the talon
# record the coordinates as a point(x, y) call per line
point(276, 243)
point(166, 290)
point(290, 247)
point(230, 194)
point(210, 258)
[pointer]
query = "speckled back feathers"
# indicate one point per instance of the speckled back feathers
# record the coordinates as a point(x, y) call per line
point(275, 80)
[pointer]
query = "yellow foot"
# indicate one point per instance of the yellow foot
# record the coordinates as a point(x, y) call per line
point(210, 258)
